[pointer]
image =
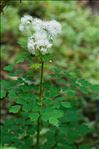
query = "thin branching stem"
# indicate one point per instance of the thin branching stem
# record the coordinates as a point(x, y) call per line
point(40, 101)
point(41, 81)
point(38, 131)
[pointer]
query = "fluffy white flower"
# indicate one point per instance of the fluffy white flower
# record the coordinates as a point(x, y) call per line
point(37, 43)
point(43, 43)
point(53, 27)
point(37, 24)
point(42, 33)
point(26, 19)
point(43, 50)
point(25, 22)
point(31, 45)
point(41, 40)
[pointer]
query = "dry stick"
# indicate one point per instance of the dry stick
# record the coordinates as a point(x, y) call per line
point(3, 3)
point(40, 100)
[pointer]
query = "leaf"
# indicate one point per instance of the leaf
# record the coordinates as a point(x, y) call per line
point(52, 91)
point(83, 130)
point(70, 92)
point(21, 58)
point(8, 68)
point(95, 87)
point(35, 66)
point(27, 107)
point(2, 93)
point(15, 109)
point(54, 121)
point(69, 147)
point(23, 43)
point(84, 146)
point(5, 84)
point(57, 114)
point(12, 94)
point(72, 116)
point(66, 104)
point(84, 82)
point(83, 89)
point(34, 116)
point(72, 137)
point(52, 115)
point(47, 57)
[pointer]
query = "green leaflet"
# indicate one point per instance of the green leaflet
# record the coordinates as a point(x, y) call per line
point(22, 57)
point(12, 94)
point(54, 121)
point(66, 104)
point(69, 147)
point(22, 42)
point(52, 116)
point(34, 116)
point(2, 93)
point(35, 66)
point(15, 109)
point(8, 68)
point(70, 92)
point(84, 146)
point(72, 116)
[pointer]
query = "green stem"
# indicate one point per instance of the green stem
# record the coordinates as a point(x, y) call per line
point(41, 81)
point(38, 132)
point(40, 101)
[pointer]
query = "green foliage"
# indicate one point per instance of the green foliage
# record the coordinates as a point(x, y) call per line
point(22, 43)
point(8, 148)
point(84, 147)
point(2, 94)
point(66, 104)
point(58, 110)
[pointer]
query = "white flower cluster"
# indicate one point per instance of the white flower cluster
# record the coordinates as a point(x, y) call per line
point(43, 33)
point(25, 22)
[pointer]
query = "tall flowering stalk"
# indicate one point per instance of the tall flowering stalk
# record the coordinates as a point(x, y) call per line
point(40, 39)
